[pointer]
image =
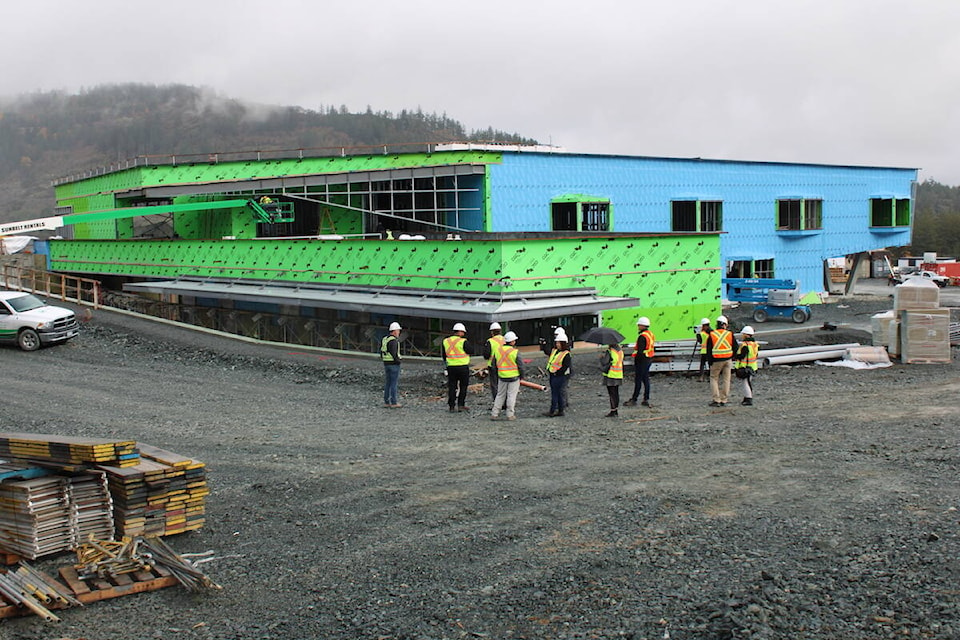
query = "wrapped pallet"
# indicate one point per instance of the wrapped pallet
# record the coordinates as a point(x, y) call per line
point(916, 293)
point(880, 328)
point(925, 336)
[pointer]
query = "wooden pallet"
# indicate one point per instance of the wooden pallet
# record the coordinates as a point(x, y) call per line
point(87, 591)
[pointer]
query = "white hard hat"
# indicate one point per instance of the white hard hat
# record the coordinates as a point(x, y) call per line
point(705, 321)
point(394, 326)
point(495, 325)
point(510, 337)
point(747, 330)
point(561, 336)
point(459, 327)
point(722, 319)
point(558, 330)
point(644, 320)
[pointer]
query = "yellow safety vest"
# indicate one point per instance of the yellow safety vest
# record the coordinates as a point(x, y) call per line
point(704, 336)
point(616, 365)
point(555, 361)
point(753, 351)
point(453, 350)
point(495, 343)
point(648, 351)
point(385, 354)
point(722, 344)
point(507, 367)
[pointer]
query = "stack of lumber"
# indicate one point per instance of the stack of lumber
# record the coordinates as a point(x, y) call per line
point(163, 494)
point(66, 450)
point(52, 513)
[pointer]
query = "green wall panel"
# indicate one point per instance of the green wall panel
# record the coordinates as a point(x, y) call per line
point(676, 278)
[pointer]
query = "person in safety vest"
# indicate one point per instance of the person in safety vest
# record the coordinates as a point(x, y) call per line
point(456, 355)
point(390, 354)
point(703, 333)
point(490, 347)
point(558, 366)
point(642, 359)
point(509, 370)
point(721, 345)
point(611, 363)
point(746, 367)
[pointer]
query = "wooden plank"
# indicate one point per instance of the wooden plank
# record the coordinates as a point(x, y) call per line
point(122, 579)
point(77, 586)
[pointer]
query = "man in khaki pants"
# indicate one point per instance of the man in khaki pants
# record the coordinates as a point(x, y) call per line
point(721, 345)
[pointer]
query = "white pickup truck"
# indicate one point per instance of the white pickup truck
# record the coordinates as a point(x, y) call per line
point(936, 278)
point(29, 322)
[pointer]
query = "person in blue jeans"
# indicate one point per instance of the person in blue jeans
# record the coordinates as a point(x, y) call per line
point(390, 354)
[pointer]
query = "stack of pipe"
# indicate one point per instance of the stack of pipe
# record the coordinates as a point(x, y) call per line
point(811, 353)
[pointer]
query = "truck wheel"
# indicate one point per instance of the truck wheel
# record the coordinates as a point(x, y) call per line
point(799, 316)
point(28, 340)
point(759, 315)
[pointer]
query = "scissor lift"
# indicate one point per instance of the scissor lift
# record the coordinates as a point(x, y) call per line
point(774, 298)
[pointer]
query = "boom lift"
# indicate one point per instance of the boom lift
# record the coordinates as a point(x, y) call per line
point(774, 298)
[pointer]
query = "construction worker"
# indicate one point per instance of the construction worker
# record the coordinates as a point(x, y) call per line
point(703, 333)
point(642, 359)
point(390, 354)
point(558, 366)
point(747, 359)
point(721, 345)
point(611, 363)
point(490, 353)
point(456, 355)
point(509, 370)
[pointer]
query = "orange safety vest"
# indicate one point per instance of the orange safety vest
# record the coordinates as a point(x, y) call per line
point(507, 367)
point(722, 344)
point(616, 365)
point(648, 352)
point(555, 361)
point(753, 352)
point(453, 350)
point(495, 343)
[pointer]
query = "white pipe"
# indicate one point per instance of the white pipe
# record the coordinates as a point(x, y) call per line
point(808, 349)
point(805, 357)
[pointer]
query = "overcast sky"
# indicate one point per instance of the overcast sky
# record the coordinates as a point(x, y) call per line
point(864, 82)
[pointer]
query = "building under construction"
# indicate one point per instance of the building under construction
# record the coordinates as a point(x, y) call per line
point(327, 247)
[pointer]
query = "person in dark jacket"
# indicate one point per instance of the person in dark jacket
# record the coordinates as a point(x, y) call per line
point(558, 367)
point(390, 354)
point(642, 359)
point(456, 355)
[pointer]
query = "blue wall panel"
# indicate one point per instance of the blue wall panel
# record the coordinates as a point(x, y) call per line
point(641, 190)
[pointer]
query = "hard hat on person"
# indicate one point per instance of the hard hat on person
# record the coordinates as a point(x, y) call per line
point(747, 330)
point(561, 336)
point(722, 319)
point(643, 320)
point(510, 337)
point(495, 326)
point(459, 327)
point(705, 321)
point(394, 326)
point(558, 330)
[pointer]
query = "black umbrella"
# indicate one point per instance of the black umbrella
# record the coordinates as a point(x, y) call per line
point(602, 335)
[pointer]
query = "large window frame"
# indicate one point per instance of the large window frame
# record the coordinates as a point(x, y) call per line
point(696, 215)
point(890, 212)
point(581, 213)
point(799, 214)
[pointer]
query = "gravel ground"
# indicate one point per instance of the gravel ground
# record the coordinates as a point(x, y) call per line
point(828, 510)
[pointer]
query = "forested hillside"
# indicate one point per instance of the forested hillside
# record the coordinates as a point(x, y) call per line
point(49, 135)
point(44, 136)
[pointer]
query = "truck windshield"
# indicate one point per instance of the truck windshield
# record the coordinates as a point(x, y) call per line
point(25, 303)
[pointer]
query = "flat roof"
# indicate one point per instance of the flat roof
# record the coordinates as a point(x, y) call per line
point(417, 303)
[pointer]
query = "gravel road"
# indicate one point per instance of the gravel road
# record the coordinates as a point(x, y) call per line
point(827, 510)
